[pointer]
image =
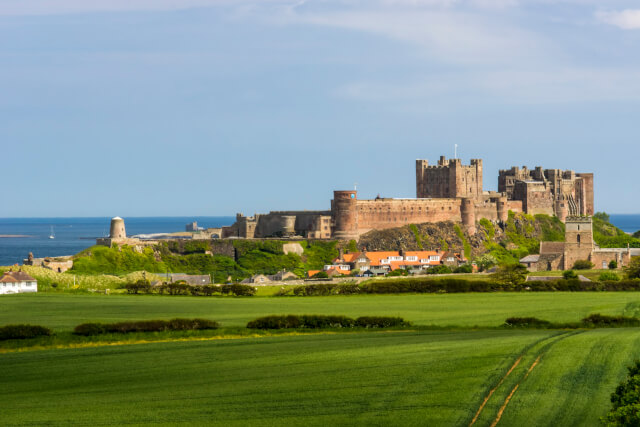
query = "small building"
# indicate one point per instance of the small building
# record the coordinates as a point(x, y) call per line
point(191, 279)
point(17, 282)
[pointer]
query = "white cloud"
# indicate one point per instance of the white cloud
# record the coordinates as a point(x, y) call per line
point(628, 19)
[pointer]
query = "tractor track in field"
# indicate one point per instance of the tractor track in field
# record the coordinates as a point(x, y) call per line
point(538, 354)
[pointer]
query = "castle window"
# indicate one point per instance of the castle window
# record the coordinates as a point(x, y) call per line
point(578, 237)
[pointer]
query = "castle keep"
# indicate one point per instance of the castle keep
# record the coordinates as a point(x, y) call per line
point(446, 191)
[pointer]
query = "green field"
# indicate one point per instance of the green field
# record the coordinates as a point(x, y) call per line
point(64, 311)
point(411, 377)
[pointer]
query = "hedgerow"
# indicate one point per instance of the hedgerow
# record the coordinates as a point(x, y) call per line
point(90, 329)
point(313, 321)
point(19, 332)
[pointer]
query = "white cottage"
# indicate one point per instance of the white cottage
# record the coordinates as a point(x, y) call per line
point(15, 282)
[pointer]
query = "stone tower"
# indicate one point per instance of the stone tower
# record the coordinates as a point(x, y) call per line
point(345, 214)
point(117, 230)
point(448, 179)
point(578, 240)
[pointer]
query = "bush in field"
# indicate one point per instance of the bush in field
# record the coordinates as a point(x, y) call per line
point(608, 276)
point(582, 264)
point(526, 322)
point(625, 400)
point(19, 332)
point(320, 275)
point(569, 274)
point(308, 321)
point(600, 320)
point(90, 329)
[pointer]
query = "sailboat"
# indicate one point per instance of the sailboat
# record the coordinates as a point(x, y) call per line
point(52, 235)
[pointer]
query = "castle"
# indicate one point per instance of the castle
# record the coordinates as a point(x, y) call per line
point(447, 191)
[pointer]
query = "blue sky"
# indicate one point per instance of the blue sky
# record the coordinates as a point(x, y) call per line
point(212, 107)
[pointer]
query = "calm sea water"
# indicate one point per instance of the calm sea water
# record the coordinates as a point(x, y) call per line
point(75, 234)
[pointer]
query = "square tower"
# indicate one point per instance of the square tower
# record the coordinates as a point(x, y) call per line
point(448, 179)
point(578, 240)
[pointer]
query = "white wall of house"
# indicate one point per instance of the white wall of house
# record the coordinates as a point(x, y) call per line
point(18, 287)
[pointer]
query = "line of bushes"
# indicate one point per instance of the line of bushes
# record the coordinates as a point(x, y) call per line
point(592, 321)
point(90, 329)
point(142, 287)
point(314, 321)
point(426, 285)
point(21, 332)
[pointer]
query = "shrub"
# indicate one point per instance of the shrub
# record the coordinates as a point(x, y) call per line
point(439, 269)
point(582, 264)
point(602, 320)
point(613, 264)
point(608, 276)
point(89, 329)
point(241, 290)
point(466, 268)
point(633, 269)
point(510, 274)
point(140, 286)
point(570, 274)
point(320, 275)
point(625, 400)
point(526, 322)
point(380, 322)
point(19, 332)
point(313, 321)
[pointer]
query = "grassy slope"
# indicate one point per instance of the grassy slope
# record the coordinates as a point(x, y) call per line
point(399, 378)
point(64, 311)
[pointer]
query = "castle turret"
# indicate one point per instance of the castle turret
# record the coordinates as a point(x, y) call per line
point(344, 214)
point(117, 230)
point(468, 213)
point(503, 211)
point(561, 210)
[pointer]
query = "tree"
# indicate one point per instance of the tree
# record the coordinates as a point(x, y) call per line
point(613, 264)
point(485, 262)
point(570, 274)
point(510, 274)
point(633, 269)
point(320, 275)
point(625, 409)
point(602, 216)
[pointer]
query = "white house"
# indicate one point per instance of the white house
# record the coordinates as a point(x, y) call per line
point(15, 282)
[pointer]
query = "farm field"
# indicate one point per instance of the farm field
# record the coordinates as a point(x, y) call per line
point(382, 378)
point(65, 311)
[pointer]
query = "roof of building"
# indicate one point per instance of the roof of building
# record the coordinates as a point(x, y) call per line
point(16, 276)
point(375, 258)
point(551, 247)
point(530, 258)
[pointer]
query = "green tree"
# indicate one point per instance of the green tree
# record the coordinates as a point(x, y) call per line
point(613, 264)
point(485, 262)
point(570, 274)
point(633, 269)
point(603, 216)
point(320, 275)
point(511, 274)
point(626, 401)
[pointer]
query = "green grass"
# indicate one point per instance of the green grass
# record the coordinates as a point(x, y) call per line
point(64, 311)
point(396, 378)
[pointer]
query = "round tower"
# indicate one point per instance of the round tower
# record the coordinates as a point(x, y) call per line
point(562, 210)
point(503, 212)
point(344, 212)
point(288, 224)
point(468, 213)
point(117, 228)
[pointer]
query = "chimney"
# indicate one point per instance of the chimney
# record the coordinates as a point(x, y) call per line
point(341, 254)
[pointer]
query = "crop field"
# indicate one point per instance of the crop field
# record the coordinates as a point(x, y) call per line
point(64, 311)
point(463, 375)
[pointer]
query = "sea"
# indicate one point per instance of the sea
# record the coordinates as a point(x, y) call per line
point(75, 234)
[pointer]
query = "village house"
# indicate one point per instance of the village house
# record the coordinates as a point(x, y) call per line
point(16, 282)
point(280, 276)
point(393, 260)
